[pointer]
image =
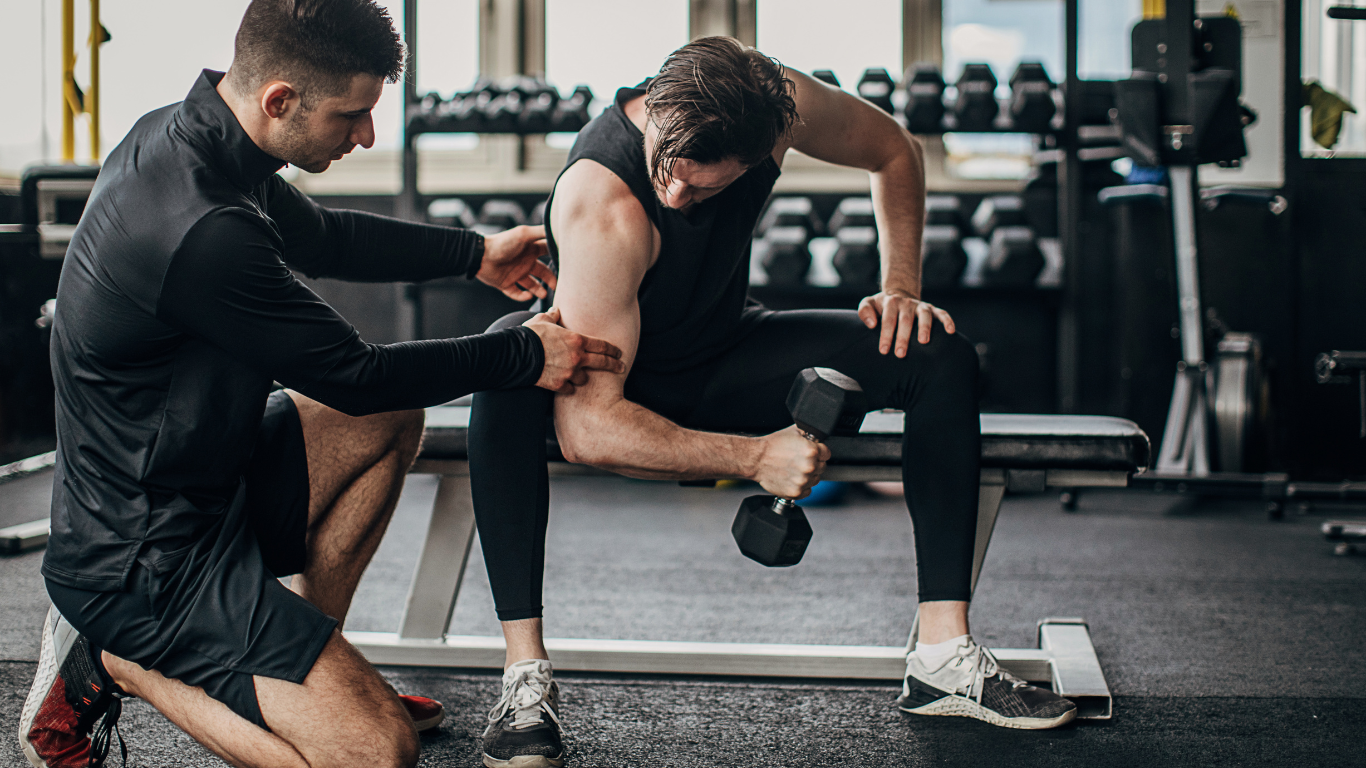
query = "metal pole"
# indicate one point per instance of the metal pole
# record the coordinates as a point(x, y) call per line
point(68, 81)
point(407, 197)
point(1069, 218)
point(92, 99)
point(1184, 182)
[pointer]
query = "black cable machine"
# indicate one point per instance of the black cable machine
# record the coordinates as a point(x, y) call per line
point(1180, 109)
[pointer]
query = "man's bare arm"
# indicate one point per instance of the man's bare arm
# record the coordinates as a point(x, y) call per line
point(840, 128)
point(606, 244)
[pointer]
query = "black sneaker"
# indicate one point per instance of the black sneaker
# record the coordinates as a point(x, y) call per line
point(73, 708)
point(524, 726)
point(973, 684)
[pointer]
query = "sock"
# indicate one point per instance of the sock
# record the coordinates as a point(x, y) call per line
point(933, 655)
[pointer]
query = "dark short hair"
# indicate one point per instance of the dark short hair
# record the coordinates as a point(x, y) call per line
point(315, 45)
point(715, 98)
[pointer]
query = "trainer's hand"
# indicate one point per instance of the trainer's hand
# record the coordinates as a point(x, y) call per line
point(512, 263)
point(789, 464)
point(898, 313)
point(569, 355)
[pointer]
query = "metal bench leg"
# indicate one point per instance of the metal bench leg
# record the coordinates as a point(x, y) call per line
point(436, 583)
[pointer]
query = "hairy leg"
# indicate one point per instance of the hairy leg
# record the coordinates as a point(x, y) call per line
point(356, 468)
point(525, 639)
point(344, 714)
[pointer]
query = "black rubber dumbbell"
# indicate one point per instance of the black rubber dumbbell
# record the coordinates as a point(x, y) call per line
point(463, 113)
point(499, 215)
point(924, 110)
point(852, 212)
point(537, 215)
point(856, 259)
point(538, 108)
point(999, 211)
point(1031, 98)
point(790, 212)
point(823, 402)
point(876, 86)
point(786, 255)
point(944, 211)
point(1014, 259)
point(571, 113)
point(826, 76)
point(451, 212)
point(942, 257)
point(976, 107)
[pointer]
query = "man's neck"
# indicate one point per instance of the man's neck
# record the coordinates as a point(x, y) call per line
point(240, 109)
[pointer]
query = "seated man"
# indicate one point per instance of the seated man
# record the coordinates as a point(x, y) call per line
point(651, 224)
point(183, 485)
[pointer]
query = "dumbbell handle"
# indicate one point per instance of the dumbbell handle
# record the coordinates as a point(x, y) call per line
point(781, 505)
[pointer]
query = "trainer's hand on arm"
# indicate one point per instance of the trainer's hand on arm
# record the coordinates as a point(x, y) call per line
point(569, 355)
point(898, 313)
point(512, 263)
point(789, 464)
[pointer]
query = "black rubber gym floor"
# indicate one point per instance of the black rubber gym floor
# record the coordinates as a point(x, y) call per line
point(1227, 638)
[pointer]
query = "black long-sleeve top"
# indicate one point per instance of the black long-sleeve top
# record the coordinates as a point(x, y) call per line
point(176, 310)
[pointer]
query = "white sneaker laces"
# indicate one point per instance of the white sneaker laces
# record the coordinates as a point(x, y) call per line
point(526, 694)
point(980, 665)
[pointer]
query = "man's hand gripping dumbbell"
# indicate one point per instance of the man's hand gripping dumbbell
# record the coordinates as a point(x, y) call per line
point(772, 529)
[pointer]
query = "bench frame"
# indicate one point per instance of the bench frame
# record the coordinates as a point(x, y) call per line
point(1064, 658)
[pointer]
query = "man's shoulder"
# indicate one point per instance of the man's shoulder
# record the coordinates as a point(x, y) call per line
point(590, 190)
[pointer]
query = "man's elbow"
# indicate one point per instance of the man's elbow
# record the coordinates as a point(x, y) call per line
point(580, 441)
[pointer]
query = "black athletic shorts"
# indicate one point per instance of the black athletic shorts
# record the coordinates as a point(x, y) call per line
point(213, 614)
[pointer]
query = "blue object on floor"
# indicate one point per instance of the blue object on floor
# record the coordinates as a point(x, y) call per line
point(826, 493)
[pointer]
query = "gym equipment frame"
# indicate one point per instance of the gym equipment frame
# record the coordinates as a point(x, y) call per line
point(1028, 453)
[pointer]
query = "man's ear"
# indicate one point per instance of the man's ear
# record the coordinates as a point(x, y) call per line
point(278, 99)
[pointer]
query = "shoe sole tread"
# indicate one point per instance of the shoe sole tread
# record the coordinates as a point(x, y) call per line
point(43, 680)
point(960, 706)
point(524, 761)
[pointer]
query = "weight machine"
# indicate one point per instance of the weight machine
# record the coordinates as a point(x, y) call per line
point(1179, 109)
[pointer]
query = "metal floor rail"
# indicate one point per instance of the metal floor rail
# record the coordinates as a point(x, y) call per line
point(1064, 658)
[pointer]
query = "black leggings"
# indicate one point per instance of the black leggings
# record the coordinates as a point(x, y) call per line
point(744, 390)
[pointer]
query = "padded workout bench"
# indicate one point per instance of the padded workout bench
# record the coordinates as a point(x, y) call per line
point(1019, 452)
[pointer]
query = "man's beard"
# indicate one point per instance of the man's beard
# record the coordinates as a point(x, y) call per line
point(294, 147)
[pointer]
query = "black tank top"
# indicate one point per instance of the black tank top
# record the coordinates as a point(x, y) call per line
point(694, 301)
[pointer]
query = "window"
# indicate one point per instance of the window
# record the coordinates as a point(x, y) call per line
point(447, 63)
point(610, 44)
point(1334, 54)
point(1003, 33)
point(812, 34)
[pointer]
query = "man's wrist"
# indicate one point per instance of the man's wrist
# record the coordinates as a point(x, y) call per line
point(477, 260)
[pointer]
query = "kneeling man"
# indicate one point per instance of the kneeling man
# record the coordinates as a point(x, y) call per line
point(184, 487)
point(651, 224)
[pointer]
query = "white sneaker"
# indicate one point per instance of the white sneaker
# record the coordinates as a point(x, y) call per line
point(973, 684)
point(524, 726)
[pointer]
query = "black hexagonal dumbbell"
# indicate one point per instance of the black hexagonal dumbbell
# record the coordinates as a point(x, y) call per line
point(942, 257)
point(498, 215)
point(1031, 98)
point(876, 86)
point(924, 110)
point(571, 113)
point(826, 76)
point(1014, 259)
point(976, 106)
point(854, 228)
point(823, 402)
point(999, 211)
point(785, 231)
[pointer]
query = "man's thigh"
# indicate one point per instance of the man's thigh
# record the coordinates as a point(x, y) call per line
point(344, 712)
point(340, 448)
point(747, 388)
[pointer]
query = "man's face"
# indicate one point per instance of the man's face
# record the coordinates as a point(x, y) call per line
point(690, 182)
point(312, 138)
